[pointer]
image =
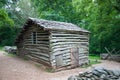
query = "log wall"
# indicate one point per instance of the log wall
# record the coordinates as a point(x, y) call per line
point(52, 43)
point(39, 51)
point(61, 42)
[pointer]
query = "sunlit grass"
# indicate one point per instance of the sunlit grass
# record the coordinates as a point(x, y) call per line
point(96, 57)
point(1, 47)
point(93, 59)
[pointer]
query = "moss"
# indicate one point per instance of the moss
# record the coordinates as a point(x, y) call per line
point(25, 58)
point(38, 64)
point(49, 70)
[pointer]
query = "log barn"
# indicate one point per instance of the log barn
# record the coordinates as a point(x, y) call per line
point(56, 44)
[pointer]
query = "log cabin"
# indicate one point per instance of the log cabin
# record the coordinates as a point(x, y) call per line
point(58, 45)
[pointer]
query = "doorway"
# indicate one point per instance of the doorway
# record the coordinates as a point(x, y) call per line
point(59, 60)
point(74, 57)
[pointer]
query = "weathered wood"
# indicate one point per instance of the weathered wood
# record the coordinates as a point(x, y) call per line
point(36, 45)
point(40, 57)
point(52, 44)
point(60, 43)
point(60, 49)
point(68, 32)
point(42, 42)
point(69, 40)
point(38, 51)
point(38, 60)
point(70, 35)
point(61, 52)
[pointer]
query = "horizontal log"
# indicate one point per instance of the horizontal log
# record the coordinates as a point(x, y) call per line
point(60, 43)
point(68, 40)
point(60, 46)
point(38, 60)
point(40, 54)
point(38, 51)
point(66, 54)
point(60, 49)
point(38, 42)
point(61, 52)
point(42, 39)
point(67, 58)
point(40, 57)
point(85, 51)
point(43, 42)
point(42, 33)
point(57, 47)
point(80, 55)
point(36, 45)
point(70, 35)
point(38, 39)
point(67, 32)
point(83, 57)
point(43, 48)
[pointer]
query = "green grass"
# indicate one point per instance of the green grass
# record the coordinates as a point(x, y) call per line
point(25, 58)
point(49, 70)
point(11, 55)
point(1, 47)
point(38, 64)
point(94, 59)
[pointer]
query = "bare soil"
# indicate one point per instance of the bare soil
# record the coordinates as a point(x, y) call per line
point(14, 68)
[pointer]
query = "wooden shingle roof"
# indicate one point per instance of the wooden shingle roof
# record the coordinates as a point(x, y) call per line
point(49, 25)
point(55, 25)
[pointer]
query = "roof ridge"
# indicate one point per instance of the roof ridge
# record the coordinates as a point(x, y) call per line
point(49, 24)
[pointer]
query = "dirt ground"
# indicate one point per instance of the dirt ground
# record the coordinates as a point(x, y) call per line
point(13, 68)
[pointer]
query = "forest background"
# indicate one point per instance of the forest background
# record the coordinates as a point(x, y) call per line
point(100, 17)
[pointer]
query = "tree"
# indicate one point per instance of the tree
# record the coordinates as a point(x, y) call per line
point(101, 17)
point(6, 29)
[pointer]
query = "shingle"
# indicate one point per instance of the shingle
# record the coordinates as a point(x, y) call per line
point(55, 25)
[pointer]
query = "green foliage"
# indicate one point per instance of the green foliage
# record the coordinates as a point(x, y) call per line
point(60, 10)
point(1, 48)
point(7, 31)
point(4, 19)
point(100, 17)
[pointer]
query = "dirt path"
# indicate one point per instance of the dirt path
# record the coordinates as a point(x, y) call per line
point(13, 68)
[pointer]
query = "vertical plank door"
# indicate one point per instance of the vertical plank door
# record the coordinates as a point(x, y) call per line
point(59, 60)
point(74, 57)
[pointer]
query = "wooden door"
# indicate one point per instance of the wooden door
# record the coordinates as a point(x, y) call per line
point(59, 60)
point(74, 57)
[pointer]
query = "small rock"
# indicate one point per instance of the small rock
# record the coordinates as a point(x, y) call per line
point(72, 78)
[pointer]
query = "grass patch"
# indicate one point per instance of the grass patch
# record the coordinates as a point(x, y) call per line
point(38, 64)
point(1, 47)
point(93, 59)
point(90, 64)
point(96, 57)
point(49, 70)
point(11, 55)
point(25, 58)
